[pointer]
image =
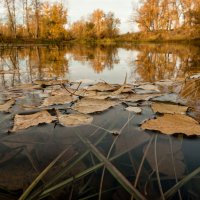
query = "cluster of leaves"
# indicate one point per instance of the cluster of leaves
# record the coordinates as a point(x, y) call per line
point(100, 97)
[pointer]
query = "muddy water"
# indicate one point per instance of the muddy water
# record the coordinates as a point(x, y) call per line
point(146, 158)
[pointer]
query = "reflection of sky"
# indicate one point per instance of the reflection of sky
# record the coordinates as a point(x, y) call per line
point(78, 70)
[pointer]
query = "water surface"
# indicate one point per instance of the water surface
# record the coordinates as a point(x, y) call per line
point(163, 160)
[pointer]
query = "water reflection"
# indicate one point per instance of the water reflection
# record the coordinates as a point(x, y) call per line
point(160, 62)
point(141, 62)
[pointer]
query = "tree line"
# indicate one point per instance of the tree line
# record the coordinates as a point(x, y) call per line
point(36, 19)
point(168, 15)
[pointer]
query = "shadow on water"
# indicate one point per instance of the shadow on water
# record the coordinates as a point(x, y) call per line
point(150, 162)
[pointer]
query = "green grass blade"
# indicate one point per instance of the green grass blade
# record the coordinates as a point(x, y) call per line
point(181, 183)
point(115, 172)
point(41, 175)
point(47, 191)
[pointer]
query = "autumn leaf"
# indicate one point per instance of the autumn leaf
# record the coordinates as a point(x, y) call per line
point(168, 108)
point(134, 109)
point(149, 87)
point(6, 106)
point(139, 97)
point(74, 119)
point(173, 123)
point(25, 121)
point(102, 87)
point(88, 105)
point(59, 99)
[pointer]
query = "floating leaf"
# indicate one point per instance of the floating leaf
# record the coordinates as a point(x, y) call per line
point(59, 99)
point(149, 87)
point(86, 93)
point(50, 82)
point(88, 105)
point(173, 123)
point(165, 83)
point(134, 109)
point(123, 89)
point(173, 98)
point(164, 155)
point(6, 106)
point(74, 119)
point(102, 87)
point(139, 97)
point(25, 87)
point(168, 108)
point(25, 121)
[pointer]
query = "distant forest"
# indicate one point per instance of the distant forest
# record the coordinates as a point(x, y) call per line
point(36, 19)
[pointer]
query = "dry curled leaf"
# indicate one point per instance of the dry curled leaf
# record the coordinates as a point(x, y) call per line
point(169, 108)
point(102, 87)
point(6, 106)
point(149, 87)
point(59, 99)
point(134, 109)
point(25, 121)
point(50, 82)
point(88, 105)
point(139, 97)
point(173, 123)
point(74, 119)
point(123, 89)
point(25, 87)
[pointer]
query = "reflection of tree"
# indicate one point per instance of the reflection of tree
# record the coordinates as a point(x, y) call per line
point(99, 57)
point(35, 62)
point(157, 62)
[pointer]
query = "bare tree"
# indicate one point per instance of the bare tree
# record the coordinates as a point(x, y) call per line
point(11, 14)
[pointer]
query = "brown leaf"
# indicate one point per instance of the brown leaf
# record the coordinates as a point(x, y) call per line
point(88, 105)
point(168, 108)
point(123, 89)
point(102, 87)
point(74, 119)
point(25, 87)
point(59, 99)
point(149, 87)
point(6, 106)
point(25, 121)
point(134, 109)
point(173, 123)
point(139, 97)
point(164, 155)
point(50, 82)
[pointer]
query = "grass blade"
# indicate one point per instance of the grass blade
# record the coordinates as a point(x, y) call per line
point(181, 183)
point(41, 175)
point(115, 172)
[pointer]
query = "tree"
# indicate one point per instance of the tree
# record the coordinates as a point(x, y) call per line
point(53, 21)
point(166, 14)
point(36, 7)
point(11, 14)
point(98, 25)
point(97, 18)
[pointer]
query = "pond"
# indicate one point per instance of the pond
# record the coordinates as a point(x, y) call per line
point(112, 156)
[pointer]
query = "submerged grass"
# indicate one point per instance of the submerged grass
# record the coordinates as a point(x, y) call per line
point(114, 171)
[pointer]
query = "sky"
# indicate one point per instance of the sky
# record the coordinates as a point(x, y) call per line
point(122, 9)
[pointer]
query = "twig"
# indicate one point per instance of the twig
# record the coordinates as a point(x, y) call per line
point(70, 91)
